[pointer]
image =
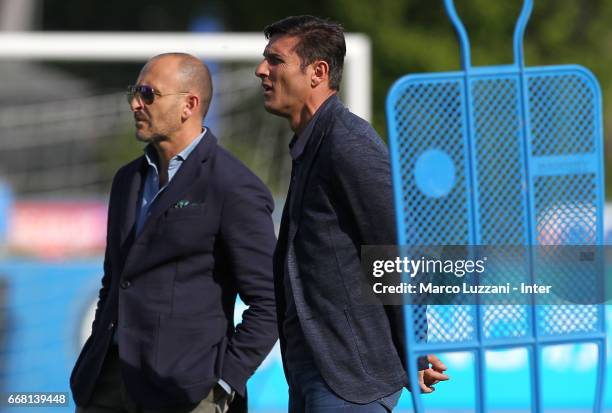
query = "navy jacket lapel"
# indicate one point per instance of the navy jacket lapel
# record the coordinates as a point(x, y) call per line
point(187, 175)
point(130, 198)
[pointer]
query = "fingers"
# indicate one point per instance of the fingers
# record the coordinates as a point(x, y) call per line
point(424, 388)
point(435, 362)
point(431, 377)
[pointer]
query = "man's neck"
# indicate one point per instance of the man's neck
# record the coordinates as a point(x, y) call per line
point(299, 121)
point(168, 148)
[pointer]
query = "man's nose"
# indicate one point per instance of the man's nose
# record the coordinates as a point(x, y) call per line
point(261, 70)
point(135, 103)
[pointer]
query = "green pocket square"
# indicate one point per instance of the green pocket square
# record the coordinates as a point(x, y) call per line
point(182, 204)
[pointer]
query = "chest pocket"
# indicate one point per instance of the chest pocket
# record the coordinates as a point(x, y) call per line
point(192, 211)
point(191, 228)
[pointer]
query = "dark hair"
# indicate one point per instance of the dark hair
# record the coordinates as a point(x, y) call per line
point(319, 39)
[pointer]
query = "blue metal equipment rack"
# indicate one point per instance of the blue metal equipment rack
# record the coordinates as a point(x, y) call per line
point(499, 155)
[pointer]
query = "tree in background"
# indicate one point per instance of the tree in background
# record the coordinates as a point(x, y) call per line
point(408, 36)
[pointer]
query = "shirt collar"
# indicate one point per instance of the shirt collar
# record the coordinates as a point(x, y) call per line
point(298, 142)
point(151, 154)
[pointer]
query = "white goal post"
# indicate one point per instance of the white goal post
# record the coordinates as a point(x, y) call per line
point(125, 46)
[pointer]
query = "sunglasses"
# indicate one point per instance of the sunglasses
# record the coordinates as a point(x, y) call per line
point(146, 93)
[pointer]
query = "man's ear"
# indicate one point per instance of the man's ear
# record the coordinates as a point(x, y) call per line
point(191, 107)
point(320, 73)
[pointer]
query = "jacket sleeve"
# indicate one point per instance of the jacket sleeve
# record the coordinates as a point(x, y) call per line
point(106, 277)
point(248, 238)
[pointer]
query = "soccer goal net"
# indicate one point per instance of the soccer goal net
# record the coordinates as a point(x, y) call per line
point(65, 126)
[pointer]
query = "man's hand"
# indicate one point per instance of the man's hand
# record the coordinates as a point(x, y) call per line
point(432, 375)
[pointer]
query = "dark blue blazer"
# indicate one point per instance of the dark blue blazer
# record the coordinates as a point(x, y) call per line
point(170, 291)
point(342, 199)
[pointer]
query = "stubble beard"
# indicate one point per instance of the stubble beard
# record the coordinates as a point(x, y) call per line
point(153, 137)
point(147, 135)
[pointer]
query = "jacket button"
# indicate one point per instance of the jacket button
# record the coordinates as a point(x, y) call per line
point(111, 326)
point(125, 284)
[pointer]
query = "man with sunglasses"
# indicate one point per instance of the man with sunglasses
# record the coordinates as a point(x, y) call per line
point(189, 228)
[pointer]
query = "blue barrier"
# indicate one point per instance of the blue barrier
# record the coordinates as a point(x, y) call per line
point(500, 155)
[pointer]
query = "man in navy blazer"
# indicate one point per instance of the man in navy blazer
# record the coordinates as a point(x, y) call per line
point(189, 228)
point(339, 354)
